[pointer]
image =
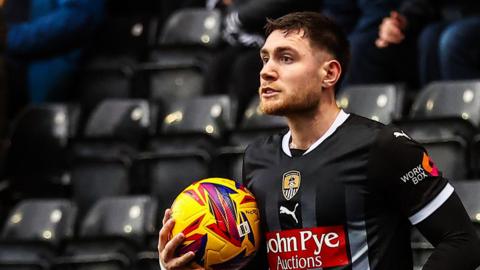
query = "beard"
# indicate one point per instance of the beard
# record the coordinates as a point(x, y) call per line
point(291, 104)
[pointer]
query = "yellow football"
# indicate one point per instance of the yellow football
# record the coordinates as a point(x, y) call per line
point(220, 221)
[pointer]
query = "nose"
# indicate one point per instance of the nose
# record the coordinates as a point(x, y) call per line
point(268, 72)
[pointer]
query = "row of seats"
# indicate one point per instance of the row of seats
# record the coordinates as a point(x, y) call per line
point(119, 233)
point(154, 62)
point(131, 146)
point(48, 234)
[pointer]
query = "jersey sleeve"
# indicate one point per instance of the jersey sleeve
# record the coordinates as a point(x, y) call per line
point(402, 171)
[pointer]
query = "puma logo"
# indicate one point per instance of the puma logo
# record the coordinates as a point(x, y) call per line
point(284, 210)
point(400, 134)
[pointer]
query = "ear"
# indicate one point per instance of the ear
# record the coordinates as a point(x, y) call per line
point(332, 70)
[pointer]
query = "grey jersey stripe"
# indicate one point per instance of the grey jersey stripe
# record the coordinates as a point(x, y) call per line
point(357, 232)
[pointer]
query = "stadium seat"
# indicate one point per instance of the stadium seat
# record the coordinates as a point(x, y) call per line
point(103, 156)
point(443, 99)
point(475, 155)
point(95, 177)
point(127, 120)
point(37, 159)
point(105, 78)
point(380, 102)
point(182, 52)
point(189, 136)
point(209, 117)
point(167, 82)
point(34, 233)
point(126, 35)
point(111, 234)
point(165, 175)
point(468, 191)
point(192, 27)
point(109, 72)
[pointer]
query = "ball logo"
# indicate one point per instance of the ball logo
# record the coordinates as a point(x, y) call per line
point(290, 184)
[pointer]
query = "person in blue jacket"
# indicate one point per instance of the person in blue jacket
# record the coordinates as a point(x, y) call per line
point(42, 42)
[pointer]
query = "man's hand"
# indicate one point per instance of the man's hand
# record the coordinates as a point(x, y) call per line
point(167, 247)
point(1, 3)
point(391, 30)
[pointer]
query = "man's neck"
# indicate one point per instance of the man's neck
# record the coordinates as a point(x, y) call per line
point(306, 129)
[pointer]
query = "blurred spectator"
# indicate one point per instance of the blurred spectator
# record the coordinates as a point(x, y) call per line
point(449, 37)
point(43, 45)
point(237, 67)
point(3, 90)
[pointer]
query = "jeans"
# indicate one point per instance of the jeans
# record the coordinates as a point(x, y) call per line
point(370, 65)
point(450, 51)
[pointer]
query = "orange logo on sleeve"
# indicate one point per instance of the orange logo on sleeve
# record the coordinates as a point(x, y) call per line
point(429, 166)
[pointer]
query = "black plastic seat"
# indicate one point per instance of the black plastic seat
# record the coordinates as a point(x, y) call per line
point(181, 151)
point(122, 43)
point(380, 102)
point(164, 176)
point(181, 55)
point(34, 233)
point(103, 156)
point(105, 77)
point(111, 234)
point(38, 159)
point(201, 122)
point(475, 155)
point(449, 108)
point(444, 99)
point(469, 191)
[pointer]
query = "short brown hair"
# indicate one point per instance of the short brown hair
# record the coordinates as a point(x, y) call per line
point(322, 32)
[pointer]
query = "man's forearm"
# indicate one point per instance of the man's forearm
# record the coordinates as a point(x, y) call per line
point(457, 246)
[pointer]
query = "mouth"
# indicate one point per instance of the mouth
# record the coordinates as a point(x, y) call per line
point(267, 92)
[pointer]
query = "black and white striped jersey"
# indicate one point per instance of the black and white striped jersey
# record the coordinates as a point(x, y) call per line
point(347, 202)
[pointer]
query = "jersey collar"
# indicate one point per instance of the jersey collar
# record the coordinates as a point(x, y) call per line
point(339, 120)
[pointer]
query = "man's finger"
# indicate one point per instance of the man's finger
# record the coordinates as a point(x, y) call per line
point(167, 215)
point(164, 234)
point(172, 245)
point(182, 260)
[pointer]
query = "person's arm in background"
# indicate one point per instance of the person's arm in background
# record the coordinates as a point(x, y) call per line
point(244, 23)
point(410, 18)
point(69, 26)
point(253, 13)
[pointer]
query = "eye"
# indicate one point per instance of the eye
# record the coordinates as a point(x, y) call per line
point(286, 59)
point(264, 59)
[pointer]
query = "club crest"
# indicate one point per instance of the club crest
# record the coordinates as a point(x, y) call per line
point(290, 184)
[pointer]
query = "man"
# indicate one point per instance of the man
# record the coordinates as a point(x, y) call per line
point(357, 184)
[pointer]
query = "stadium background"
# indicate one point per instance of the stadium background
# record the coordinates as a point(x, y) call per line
point(84, 182)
